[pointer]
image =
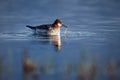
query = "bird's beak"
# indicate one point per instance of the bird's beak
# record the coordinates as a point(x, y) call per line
point(65, 26)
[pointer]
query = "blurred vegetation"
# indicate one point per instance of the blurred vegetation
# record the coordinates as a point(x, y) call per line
point(84, 69)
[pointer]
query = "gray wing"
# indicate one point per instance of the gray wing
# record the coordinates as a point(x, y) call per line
point(46, 27)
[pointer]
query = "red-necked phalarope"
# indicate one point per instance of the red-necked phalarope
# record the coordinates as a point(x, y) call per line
point(50, 29)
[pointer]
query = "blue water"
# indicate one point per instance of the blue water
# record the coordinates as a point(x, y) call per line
point(89, 50)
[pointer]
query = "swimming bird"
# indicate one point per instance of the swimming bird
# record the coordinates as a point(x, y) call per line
point(50, 29)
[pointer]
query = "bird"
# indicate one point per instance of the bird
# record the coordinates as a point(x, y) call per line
point(49, 29)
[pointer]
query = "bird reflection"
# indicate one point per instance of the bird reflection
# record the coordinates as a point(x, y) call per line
point(47, 39)
point(56, 40)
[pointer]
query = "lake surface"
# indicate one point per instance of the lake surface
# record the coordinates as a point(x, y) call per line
point(89, 51)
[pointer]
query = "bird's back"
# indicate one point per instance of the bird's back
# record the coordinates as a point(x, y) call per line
point(45, 26)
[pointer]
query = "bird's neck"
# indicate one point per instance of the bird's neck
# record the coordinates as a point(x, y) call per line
point(56, 26)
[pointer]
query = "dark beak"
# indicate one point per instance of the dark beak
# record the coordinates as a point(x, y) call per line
point(65, 26)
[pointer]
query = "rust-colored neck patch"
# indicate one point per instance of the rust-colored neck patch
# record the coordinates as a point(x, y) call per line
point(57, 26)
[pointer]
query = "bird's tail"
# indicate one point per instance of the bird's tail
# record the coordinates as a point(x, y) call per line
point(31, 27)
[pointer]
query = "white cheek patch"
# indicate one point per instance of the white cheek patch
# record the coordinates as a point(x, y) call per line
point(59, 24)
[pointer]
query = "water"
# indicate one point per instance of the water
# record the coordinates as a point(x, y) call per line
point(89, 51)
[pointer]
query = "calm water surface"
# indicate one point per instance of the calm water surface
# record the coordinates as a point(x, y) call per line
point(89, 51)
